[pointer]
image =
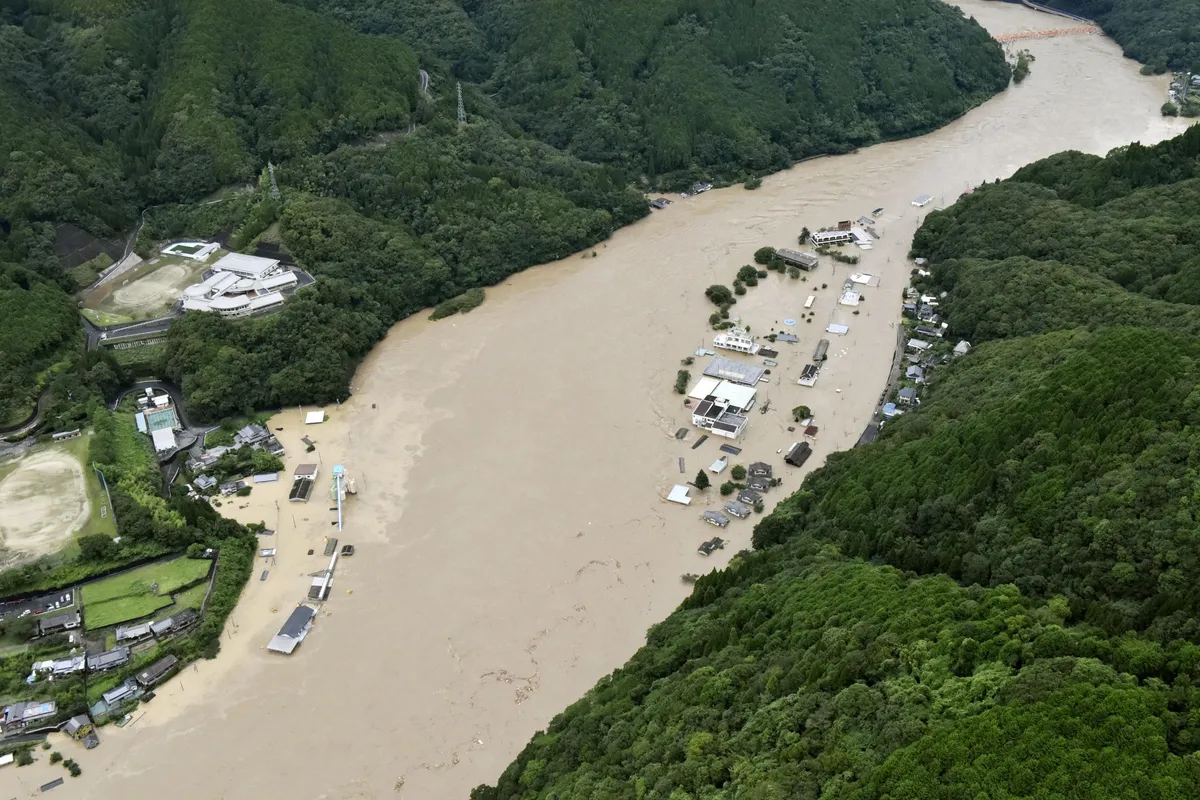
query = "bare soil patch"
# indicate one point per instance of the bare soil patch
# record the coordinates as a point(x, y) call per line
point(43, 501)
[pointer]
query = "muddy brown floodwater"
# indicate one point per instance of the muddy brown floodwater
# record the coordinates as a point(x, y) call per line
point(513, 544)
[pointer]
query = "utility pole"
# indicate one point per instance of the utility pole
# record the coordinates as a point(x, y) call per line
point(462, 112)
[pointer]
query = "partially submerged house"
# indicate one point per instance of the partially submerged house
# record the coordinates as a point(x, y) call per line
point(715, 518)
point(711, 546)
point(736, 339)
point(794, 258)
point(809, 375)
point(81, 729)
point(738, 509)
point(721, 406)
point(798, 453)
point(294, 629)
point(749, 497)
point(760, 469)
point(156, 671)
point(679, 494)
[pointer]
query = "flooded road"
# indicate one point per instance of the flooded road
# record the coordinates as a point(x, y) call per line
point(513, 543)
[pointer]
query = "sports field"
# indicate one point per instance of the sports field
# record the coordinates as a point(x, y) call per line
point(147, 292)
point(129, 596)
point(47, 497)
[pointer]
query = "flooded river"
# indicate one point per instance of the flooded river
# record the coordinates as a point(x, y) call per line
point(513, 543)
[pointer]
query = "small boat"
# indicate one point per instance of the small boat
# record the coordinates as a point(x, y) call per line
point(877, 212)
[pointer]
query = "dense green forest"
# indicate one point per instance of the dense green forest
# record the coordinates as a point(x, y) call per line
point(118, 106)
point(997, 598)
point(1160, 33)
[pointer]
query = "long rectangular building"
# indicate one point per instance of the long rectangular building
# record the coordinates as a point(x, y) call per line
point(796, 258)
point(736, 371)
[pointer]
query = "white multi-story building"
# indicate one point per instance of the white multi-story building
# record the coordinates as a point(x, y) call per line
point(738, 339)
point(240, 285)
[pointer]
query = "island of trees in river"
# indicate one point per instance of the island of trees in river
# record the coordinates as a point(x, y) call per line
point(997, 598)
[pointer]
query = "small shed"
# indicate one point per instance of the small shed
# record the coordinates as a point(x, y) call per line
point(314, 417)
point(719, 466)
point(840, 330)
point(962, 348)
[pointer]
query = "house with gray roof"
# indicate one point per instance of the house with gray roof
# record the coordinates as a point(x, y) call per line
point(57, 624)
point(715, 518)
point(738, 509)
point(110, 659)
point(294, 629)
point(156, 671)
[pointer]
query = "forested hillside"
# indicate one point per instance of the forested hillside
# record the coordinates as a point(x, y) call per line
point(683, 90)
point(996, 599)
point(113, 107)
point(1161, 33)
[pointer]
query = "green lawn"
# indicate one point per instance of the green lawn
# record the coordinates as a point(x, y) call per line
point(103, 318)
point(127, 596)
point(101, 520)
point(193, 597)
point(122, 609)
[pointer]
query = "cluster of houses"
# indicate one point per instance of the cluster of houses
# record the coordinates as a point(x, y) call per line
point(922, 354)
point(177, 623)
point(253, 435)
point(138, 685)
point(1183, 87)
point(26, 715)
point(759, 479)
point(126, 637)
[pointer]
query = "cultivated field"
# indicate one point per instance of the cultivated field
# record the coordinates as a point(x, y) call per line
point(43, 501)
point(128, 596)
point(147, 292)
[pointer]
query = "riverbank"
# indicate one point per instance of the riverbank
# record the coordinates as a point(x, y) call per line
point(513, 544)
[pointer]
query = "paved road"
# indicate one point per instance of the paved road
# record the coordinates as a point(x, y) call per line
point(424, 81)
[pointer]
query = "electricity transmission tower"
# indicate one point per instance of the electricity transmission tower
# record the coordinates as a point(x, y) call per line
point(462, 112)
point(274, 185)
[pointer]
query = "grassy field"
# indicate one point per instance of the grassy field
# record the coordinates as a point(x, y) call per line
point(193, 597)
point(147, 353)
point(101, 519)
point(103, 318)
point(127, 596)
